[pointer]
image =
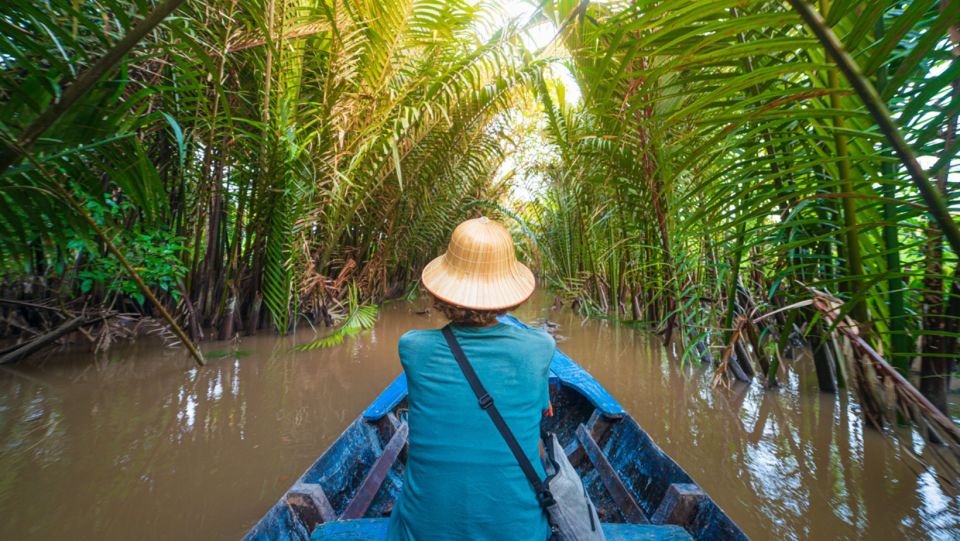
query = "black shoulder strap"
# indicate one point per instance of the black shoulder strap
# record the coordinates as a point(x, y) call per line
point(486, 403)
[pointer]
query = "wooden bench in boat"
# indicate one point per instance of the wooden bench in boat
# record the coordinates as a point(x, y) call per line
point(375, 529)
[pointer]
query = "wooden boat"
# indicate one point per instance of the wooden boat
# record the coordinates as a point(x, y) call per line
point(640, 493)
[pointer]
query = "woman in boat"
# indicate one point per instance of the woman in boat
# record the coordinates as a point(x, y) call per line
point(461, 480)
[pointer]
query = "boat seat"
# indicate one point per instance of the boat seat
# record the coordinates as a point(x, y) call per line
point(375, 529)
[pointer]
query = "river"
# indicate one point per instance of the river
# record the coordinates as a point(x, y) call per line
point(139, 444)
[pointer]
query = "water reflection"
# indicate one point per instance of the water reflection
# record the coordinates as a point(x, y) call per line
point(789, 464)
point(141, 444)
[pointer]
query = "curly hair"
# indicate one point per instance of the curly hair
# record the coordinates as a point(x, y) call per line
point(467, 316)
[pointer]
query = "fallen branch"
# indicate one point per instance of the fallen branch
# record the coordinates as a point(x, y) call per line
point(25, 304)
point(874, 380)
point(728, 353)
point(902, 387)
point(42, 341)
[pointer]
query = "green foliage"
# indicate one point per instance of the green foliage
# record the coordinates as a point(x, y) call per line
point(155, 254)
point(711, 132)
point(279, 277)
point(220, 354)
point(281, 141)
point(359, 317)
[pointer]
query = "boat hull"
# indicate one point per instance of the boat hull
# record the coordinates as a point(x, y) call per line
point(639, 491)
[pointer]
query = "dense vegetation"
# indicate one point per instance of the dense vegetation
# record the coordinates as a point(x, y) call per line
point(250, 159)
point(720, 178)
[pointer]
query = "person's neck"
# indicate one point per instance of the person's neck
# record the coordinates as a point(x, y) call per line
point(478, 325)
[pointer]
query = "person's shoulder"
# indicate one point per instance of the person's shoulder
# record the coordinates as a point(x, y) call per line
point(418, 338)
point(411, 348)
point(537, 338)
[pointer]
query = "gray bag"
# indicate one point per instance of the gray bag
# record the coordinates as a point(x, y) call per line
point(571, 514)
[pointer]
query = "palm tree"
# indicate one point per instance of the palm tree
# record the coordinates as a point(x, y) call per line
point(739, 149)
point(278, 143)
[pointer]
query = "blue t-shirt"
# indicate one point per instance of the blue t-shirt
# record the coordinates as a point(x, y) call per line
point(461, 481)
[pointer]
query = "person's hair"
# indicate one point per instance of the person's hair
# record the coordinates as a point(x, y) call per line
point(467, 316)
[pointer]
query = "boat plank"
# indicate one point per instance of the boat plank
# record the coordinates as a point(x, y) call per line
point(378, 473)
point(375, 529)
point(309, 503)
point(611, 481)
point(679, 505)
point(388, 399)
point(644, 532)
point(598, 426)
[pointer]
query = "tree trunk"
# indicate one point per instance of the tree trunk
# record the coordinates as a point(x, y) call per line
point(823, 361)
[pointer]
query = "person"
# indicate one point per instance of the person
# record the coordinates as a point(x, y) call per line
point(461, 480)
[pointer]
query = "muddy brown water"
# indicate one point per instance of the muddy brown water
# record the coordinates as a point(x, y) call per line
point(138, 444)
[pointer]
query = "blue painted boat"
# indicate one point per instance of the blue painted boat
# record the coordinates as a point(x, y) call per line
point(640, 492)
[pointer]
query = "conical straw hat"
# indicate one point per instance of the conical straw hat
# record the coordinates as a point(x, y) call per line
point(480, 269)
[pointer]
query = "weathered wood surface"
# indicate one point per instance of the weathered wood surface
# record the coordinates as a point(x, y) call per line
point(599, 426)
point(679, 504)
point(611, 481)
point(375, 529)
point(388, 399)
point(308, 502)
point(371, 484)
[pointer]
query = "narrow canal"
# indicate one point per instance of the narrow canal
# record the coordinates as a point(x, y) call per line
point(140, 445)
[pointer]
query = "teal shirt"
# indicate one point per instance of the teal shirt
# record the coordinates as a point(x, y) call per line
point(461, 481)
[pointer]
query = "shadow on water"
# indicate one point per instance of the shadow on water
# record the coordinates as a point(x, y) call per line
point(138, 444)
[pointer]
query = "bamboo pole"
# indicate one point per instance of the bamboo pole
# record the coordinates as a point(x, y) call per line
point(11, 153)
point(878, 109)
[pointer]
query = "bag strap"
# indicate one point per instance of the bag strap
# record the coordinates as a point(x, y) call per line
point(544, 497)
